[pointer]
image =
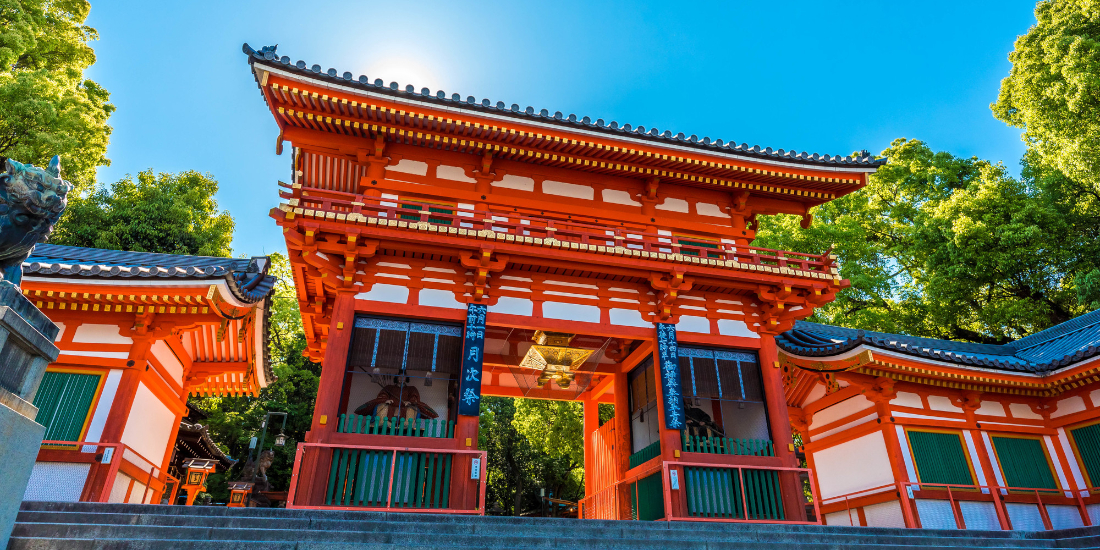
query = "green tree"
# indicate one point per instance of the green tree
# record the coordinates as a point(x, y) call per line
point(47, 107)
point(1053, 89)
point(947, 247)
point(169, 213)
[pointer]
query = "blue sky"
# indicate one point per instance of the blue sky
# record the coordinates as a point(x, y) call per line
point(826, 77)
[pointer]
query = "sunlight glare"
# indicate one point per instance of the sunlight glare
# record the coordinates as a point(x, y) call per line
point(405, 70)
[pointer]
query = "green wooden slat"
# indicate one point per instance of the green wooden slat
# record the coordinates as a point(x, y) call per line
point(689, 485)
point(341, 467)
point(750, 494)
point(738, 504)
point(64, 401)
point(447, 482)
point(1024, 462)
point(708, 493)
point(353, 469)
point(438, 480)
point(940, 458)
point(361, 478)
point(1087, 439)
point(332, 476)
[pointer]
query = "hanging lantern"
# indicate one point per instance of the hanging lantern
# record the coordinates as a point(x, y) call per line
point(552, 356)
point(280, 439)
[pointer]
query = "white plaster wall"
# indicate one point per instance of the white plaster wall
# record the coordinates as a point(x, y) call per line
point(105, 354)
point(454, 173)
point(168, 360)
point(884, 514)
point(1022, 410)
point(563, 189)
point(571, 312)
point(103, 406)
point(942, 403)
point(137, 494)
point(906, 399)
point(816, 393)
point(831, 414)
point(629, 318)
point(1094, 395)
point(439, 298)
point(674, 205)
point(57, 481)
point(119, 488)
point(409, 167)
point(100, 334)
point(1069, 406)
point(515, 182)
point(856, 465)
point(991, 408)
point(730, 327)
point(512, 306)
point(60, 331)
point(149, 425)
point(615, 196)
point(385, 293)
point(691, 323)
point(707, 209)
point(844, 427)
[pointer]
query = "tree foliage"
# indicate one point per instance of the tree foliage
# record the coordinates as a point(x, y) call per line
point(949, 247)
point(169, 213)
point(1053, 89)
point(47, 107)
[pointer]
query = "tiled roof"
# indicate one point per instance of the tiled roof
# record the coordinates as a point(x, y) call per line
point(1040, 353)
point(267, 55)
point(245, 276)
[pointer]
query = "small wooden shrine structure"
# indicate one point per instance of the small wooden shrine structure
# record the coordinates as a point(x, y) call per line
point(949, 434)
point(446, 248)
point(140, 333)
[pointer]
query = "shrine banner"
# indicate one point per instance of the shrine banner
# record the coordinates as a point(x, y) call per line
point(473, 348)
point(670, 376)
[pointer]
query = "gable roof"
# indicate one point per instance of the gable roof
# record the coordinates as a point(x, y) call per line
point(267, 55)
point(1039, 353)
point(246, 277)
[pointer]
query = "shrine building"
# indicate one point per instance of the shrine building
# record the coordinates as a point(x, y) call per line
point(139, 334)
point(446, 248)
point(949, 434)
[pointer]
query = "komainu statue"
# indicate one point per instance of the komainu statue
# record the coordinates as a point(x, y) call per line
point(31, 201)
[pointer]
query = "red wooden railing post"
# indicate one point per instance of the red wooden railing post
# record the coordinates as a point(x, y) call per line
point(907, 506)
point(1043, 511)
point(293, 489)
point(959, 522)
point(848, 507)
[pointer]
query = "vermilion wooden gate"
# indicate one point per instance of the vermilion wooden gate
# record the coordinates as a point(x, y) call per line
point(603, 503)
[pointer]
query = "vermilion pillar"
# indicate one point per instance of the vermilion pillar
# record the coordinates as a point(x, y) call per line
point(780, 425)
point(591, 424)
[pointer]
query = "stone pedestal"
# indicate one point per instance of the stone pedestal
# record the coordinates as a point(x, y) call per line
point(26, 347)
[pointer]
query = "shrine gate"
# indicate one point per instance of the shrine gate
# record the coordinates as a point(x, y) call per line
point(445, 248)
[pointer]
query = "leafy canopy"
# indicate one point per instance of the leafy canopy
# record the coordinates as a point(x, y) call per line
point(1053, 89)
point(949, 247)
point(47, 107)
point(169, 213)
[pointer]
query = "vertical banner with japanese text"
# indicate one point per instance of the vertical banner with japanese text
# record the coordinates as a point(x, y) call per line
point(469, 400)
point(670, 376)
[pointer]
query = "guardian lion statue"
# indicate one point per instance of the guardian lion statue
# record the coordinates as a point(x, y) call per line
point(31, 201)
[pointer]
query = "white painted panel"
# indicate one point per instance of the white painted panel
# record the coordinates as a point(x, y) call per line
point(1069, 406)
point(118, 490)
point(835, 468)
point(1057, 463)
point(1094, 395)
point(385, 293)
point(843, 427)
point(57, 481)
point(1064, 517)
point(563, 189)
point(973, 452)
point(884, 514)
point(615, 196)
point(1024, 517)
point(409, 167)
point(816, 393)
point(105, 354)
point(942, 403)
point(515, 182)
point(674, 205)
point(103, 406)
point(993, 458)
point(731, 327)
point(840, 410)
point(571, 312)
point(991, 408)
point(454, 173)
point(137, 494)
point(512, 306)
point(906, 399)
point(691, 323)
point(936, 514)
point(1022, 410)
point(1094, 513)
point(707, 209)
point(439, 298)
point(629, 318)
point(149, 425)
point(1074, 467)
point(906, 456)
point(842, 518)
point(980, 515)
point(168, 360)
point(60, 331)
point(100, 334)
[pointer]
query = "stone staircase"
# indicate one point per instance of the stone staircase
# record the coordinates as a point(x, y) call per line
point(61, 525)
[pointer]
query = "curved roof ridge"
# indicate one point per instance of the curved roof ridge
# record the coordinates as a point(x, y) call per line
point(1061, 330)
point(267, 54)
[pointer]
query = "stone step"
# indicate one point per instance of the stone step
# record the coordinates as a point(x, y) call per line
point(128, 526)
